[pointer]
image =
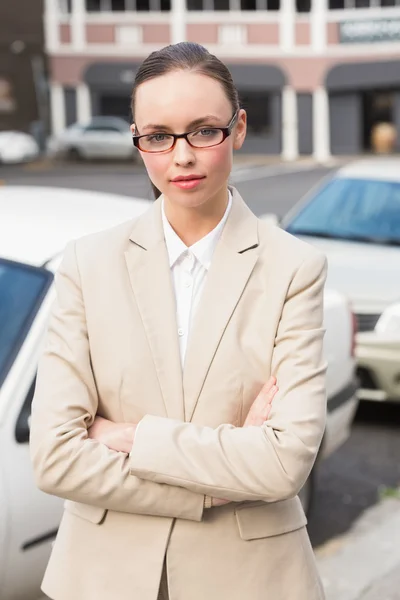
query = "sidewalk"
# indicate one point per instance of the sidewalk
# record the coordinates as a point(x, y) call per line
point(364, 564)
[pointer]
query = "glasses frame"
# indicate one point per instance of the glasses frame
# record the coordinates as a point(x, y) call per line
point(226, 132)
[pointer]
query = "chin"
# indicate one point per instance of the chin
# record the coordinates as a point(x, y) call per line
point(188, 198)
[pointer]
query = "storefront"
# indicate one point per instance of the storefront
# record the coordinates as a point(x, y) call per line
point(360, 96)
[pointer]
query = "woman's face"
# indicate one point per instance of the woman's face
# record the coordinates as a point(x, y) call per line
point(179, 102)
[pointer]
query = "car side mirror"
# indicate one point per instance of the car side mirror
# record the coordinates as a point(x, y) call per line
point(22, 428)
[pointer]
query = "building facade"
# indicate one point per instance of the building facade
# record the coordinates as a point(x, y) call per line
point(314, 75)
point(22, 66)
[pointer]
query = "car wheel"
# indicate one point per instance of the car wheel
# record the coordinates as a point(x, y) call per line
point(306, 493)
point(74, 154)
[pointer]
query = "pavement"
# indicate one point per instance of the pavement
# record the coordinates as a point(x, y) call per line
point(364, 564)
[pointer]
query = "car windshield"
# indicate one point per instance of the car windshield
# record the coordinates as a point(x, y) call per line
point(352, 209)
point(22, 289)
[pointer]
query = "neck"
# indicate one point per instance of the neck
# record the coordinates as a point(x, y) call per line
point(191, 224)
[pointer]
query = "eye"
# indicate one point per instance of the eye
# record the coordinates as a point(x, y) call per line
point(207, 132)
point(157, 138)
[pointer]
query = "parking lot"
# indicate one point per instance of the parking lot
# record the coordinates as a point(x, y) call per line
point(361, 471)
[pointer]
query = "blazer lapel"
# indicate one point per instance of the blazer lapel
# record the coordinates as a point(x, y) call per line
point(150, 276)
point(232, 264)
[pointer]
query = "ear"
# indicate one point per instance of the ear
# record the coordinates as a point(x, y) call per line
point(240, 130)
point(133, 128)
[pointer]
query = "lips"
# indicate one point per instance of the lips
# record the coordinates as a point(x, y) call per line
point(187, 182)
point(187, 178)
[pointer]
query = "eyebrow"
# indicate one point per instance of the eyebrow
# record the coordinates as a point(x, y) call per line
point(194, 123)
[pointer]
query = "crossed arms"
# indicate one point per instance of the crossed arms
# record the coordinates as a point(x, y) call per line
point(173, 465)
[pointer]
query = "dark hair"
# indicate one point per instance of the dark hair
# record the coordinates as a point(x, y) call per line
point(185, 56)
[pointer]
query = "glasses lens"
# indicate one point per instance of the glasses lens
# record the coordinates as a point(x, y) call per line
point(203, 138)
point(157, 142)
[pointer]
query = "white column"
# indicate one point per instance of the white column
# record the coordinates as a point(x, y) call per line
point(287, 25)
point(83, 103)
point(51, 26)
point(321, 125)
point(57, 108)
point(319, 20)
point(290, 137)
point(178, 21)
point(78, 24)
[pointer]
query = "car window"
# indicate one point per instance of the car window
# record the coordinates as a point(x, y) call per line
point(102, 128)
point(22, 290)
point(352, 208)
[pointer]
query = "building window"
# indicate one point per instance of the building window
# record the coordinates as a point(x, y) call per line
point(303, 6)
point(248, 4)
point(348, 4)
point(118, 5)
point(93, 5)
point(221, 4)
point(232, 5)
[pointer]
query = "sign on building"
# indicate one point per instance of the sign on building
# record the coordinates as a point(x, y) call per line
point(369, 31)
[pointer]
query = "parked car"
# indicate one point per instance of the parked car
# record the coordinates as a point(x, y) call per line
point(35, 226)
point(99, 138)
point(354, 218)
point(17, 147)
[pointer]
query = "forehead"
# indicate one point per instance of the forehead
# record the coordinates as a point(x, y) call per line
point(178, 98)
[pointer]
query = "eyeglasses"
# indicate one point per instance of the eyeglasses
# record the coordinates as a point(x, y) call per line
point(207, 137)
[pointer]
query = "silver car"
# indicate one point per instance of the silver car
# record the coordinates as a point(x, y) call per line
point(354, 218)
point(99, 138)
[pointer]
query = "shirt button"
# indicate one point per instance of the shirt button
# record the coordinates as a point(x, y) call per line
point(181, 332)
point(187, 283)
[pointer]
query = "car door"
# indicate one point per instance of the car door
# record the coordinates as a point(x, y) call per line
point(32, 517)
point(102, 141)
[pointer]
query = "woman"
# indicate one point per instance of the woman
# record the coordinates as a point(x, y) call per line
point(181, 477)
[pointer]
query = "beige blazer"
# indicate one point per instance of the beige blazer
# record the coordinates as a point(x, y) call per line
point(112, 349)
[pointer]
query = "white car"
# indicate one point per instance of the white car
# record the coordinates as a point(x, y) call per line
point(17, 147)
point(99, 138)
point(35, 226)
point(354, 219)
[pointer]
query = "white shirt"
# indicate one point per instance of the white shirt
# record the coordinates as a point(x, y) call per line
point(189, 268)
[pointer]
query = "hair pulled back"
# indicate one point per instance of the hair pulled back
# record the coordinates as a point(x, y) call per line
point(185, 56)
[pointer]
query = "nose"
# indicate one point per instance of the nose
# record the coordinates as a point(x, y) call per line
point(183, 153)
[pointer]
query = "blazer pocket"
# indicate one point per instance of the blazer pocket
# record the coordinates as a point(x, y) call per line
point(262, 519)
point(94, 514)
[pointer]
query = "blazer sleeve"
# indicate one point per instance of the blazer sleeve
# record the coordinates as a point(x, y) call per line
point(268, 463)
point(66, 462)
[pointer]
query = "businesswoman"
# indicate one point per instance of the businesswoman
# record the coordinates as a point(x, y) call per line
point(170, 336)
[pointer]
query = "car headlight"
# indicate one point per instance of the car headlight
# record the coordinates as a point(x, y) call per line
point(389, 321)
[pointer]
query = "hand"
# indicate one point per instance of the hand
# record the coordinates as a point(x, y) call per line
point(258, 414)
point(116, 436)
point(261, 407)
point(219, 501)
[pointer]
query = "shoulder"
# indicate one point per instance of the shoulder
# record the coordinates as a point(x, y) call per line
point(286, 249)
point(102, 245)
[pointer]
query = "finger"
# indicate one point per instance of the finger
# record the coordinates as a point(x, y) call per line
point(267, 412)
point(267, 397)
point(264, 403)
point(269, 384)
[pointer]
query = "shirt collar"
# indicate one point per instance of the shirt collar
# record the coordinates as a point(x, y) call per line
point(203, 249)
